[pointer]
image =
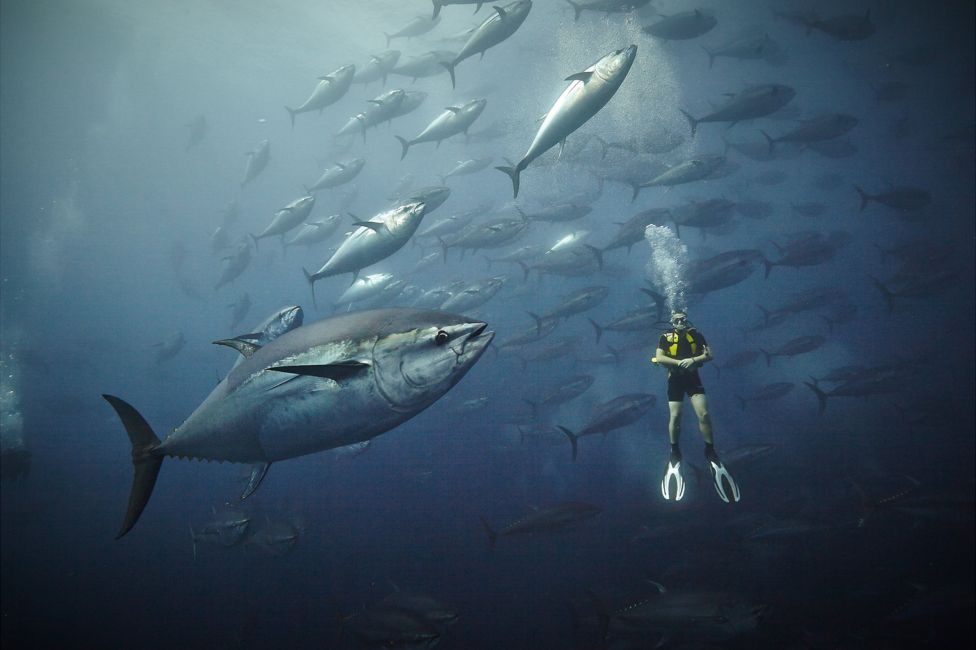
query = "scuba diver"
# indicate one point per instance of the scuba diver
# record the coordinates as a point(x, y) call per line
point(682, 349)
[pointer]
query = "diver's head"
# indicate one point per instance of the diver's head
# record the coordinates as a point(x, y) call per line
point(679, 320)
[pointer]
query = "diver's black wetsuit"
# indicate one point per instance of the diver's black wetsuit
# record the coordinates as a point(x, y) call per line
point(683, 345)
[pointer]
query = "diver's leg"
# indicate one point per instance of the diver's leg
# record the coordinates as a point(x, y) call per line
point(726, 487)
point(673, 485)
point(674, 424)
point(700, 404)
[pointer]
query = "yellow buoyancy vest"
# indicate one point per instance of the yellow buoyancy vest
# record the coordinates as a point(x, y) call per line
point(673, 337)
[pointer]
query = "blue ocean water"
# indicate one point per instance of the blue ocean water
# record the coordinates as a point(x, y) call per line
point(855, 528)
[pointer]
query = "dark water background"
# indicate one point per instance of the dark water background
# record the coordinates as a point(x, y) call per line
point(97, 188)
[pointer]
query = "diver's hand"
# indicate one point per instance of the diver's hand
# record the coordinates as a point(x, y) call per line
point(686, 364)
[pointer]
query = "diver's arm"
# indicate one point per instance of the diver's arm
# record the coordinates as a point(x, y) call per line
point(665, 360)
point(706, 355)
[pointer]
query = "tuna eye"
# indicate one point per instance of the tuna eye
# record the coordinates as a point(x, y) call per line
point(441, 337)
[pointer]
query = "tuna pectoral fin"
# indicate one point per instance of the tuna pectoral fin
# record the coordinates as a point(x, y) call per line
point(372, 225)
point(336, 371)
point(258, 472)
point(241, 343)
point(580, 76)
point(144, 462)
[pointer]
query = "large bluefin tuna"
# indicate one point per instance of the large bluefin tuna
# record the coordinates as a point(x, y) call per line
point(377, 68)
point(336, 382)
point(284, 320)
point(257, 160)
point(753, 102)
point(589, 91)
point(330, 89)
point(495, 29)
point(371, 241)
point(440, 3)
point(454, 120)
point(339, 174)
point(416, 27)
point(287, 218)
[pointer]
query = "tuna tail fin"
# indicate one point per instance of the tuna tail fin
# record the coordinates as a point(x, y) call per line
point(573, 439)
point(449, 65)
point(577, 9)
point(769, 267)
point(291, 114)
point(604, 146)
point(659, 301)
point(597, 253)
point(599, 330)
point(765, 313)
point(821, 396)
point(692, 122)
point(492, 535)
point(388, 39)
point(255, 239)
point(538, 321)
point(513, 173)
point(311, 284)
point(525, 271)
point(889, 298)
point(865, 197)
point(711, 57)
point(145, 462)
point(769, 140)
point(437, 9)
point(636, 187)
point(405, 145)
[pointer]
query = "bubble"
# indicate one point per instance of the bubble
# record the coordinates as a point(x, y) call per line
point(668, 264)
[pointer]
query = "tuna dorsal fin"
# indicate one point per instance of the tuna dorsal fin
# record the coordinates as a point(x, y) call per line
point(338, 371)
point(241, 344)
point(327, 78)
point(341, 166)
point(501, 12)
point(372, 225)
point(580, 76)
point(453, 109)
